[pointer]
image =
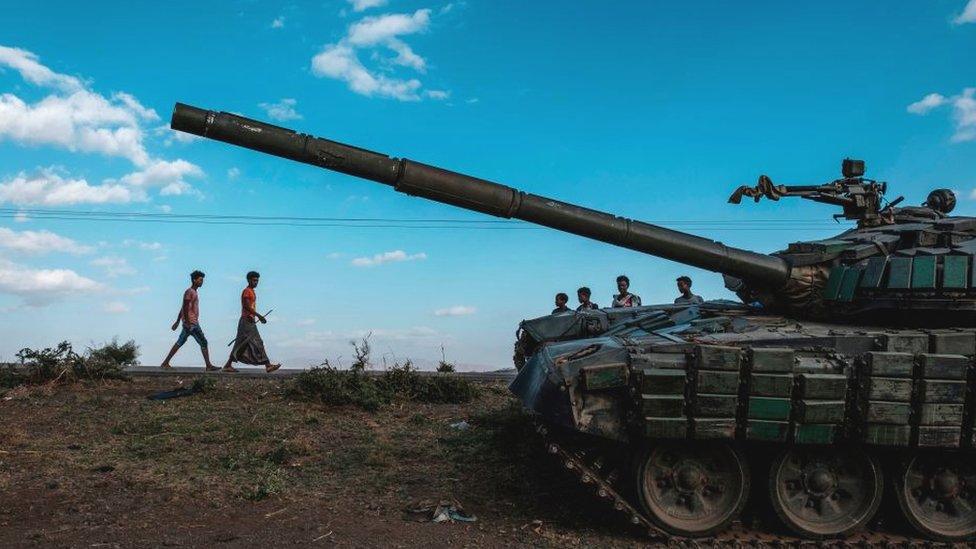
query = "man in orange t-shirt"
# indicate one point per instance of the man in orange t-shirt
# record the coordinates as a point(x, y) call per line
point(248, 346)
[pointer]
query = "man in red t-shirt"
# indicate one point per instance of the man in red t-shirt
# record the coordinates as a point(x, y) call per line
point(189, 316)
point(248, 345)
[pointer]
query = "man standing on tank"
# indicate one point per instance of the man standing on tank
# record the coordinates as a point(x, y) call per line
point(189, 316)
point(583, 294)
point(625, 298)
point(686, 297)
point(248, 345)
point(561, 301)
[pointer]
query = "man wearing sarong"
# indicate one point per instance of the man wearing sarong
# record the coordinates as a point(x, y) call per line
point(248, 346)
point(625, 298)
point(189, 317)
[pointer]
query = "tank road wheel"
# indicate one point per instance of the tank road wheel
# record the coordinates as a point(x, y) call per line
point(692, 489)
point(937, 494)
point(825, 492)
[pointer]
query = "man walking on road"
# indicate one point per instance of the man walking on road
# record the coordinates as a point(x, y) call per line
point(190, 318)
point(248, 346)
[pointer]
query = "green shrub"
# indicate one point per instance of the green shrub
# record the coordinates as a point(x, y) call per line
point(62, 364)
point(329, 385)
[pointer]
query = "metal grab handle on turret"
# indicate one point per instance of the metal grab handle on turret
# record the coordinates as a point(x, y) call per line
point(471, 193)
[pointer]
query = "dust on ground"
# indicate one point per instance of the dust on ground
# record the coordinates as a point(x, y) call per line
point(242, 465)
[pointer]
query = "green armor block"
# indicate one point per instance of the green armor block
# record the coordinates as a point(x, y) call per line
point(899, 273)
point(940, 414)
point(943, 366)
point(609, 376)
point(891, 364)
point(665, 427)
point(816, 433)
point(939, 437)
point(774, 431)
point(953, 343)
point(662, 406)
point(848, 285)
point(906, 342)
point(888, 435)
point(822, 386)
point(718, 382)
point(769, 408)
point(714, 357)
point(893, 413)
point(666, 361)
point(923, 272)
point(832, 287)
point(820, 411)
point(874, 272)
point(715, 405)
point(955, 271)
point(709, 428)
point(771, 360)
point(894, 389)
point(779, 385)
point(659, 381)
point(942, 391)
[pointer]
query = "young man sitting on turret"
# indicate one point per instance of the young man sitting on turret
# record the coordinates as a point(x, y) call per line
point(686, 297)
point(583, 294)
point(625, 298)
point(561, 301)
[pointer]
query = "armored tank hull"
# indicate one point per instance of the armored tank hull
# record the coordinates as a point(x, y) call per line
point(684, 417)
point(844, 378)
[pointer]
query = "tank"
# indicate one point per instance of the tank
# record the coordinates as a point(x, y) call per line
point(843, 380)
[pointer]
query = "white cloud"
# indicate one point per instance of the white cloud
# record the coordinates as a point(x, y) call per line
point(363, 5)
point(437, 94)
point(457, 310)
point(333, 255)
point(233, 173)
point(147, 246)
point(282, 110)
point(968, 14)
point(113, 266)
point(48, 188)
point(31, 70)
point(42, 286)
point(21, 217)
point(165, 208)
point(115, 308)
point(40, 242)
point(927, 103)
point(375, 30)
point(278, 22)
point(76, 118)
point(169, 176)
point(340, 61)
point(387, 257)
point(963, 111)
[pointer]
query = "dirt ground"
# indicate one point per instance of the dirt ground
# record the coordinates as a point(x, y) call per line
point(99, 465)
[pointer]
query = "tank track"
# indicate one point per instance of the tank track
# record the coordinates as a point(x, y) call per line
point(590, 476)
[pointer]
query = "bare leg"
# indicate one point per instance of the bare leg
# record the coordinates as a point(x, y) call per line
point(227, 365)
point(270, 366)
point(206, 359)
point(172, 352)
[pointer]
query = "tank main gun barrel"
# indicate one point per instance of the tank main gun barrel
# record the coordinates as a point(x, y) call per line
point(417, 179)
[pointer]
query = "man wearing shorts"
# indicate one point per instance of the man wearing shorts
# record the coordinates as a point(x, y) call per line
point(190, 318)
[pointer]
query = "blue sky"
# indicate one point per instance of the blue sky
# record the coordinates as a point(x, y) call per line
point(651, 110)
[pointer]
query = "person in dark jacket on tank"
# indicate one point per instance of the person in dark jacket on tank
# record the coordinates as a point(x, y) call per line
point(686, 297)
point(561, 301)
point(583, 294)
